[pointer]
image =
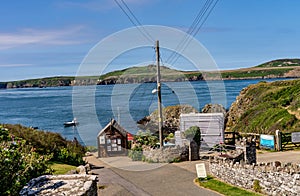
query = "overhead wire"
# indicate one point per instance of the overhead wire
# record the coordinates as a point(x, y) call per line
point(134, 20)
point(194, 29)
point(202, 15)
point(190, 30)
point(196, 32)
point(183, 42)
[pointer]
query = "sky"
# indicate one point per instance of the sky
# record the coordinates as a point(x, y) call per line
point(52, 38)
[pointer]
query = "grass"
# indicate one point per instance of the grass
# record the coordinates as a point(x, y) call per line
point(223, 188)
point(268, 108)
point(255, 73)
point(61, 168)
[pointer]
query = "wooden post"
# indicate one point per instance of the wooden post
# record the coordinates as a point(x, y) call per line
point(160, 122)
point(278, 140)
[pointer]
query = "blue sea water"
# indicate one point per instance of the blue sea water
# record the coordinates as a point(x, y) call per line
point(94, 106)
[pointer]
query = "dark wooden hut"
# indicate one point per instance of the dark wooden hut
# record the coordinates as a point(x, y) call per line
point(112, 140)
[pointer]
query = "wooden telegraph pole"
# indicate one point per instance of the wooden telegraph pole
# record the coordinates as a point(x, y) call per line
point(160, 122)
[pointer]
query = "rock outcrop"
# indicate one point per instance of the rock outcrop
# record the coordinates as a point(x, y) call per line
point(171, 117)
point(214, 108)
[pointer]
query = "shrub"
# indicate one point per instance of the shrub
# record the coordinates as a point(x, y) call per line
point(256, 186)
point(145, 139)
point(141, 140)
point(193, 133)
point(45, 143)
point(136, 153)
point(18, 163)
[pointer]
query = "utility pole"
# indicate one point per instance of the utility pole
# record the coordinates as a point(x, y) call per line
point(160, 122)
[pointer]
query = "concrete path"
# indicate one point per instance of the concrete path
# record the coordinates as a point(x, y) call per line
point(166, 179)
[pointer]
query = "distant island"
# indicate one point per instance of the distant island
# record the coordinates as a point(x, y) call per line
point(281, 68)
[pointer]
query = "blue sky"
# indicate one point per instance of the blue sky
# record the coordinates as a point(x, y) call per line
point(51, 38)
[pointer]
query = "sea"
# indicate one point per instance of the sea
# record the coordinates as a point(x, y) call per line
point(94, 106)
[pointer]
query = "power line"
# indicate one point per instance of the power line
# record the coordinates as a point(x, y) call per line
point(190, 30)
point(193, 30)
point(133, 19)
point(197, 30)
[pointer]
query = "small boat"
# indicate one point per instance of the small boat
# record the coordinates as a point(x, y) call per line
point(71, 123)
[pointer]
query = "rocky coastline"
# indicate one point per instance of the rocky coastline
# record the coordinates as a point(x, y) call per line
point(43, 83)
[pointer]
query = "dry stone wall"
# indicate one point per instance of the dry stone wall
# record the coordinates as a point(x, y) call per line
point(274, 178)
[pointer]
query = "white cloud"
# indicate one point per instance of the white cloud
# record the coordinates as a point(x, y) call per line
point(67, 36)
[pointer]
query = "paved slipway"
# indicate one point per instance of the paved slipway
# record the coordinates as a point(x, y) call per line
point(121, 176)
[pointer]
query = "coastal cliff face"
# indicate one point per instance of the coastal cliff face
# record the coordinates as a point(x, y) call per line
point(42, 82)
point(266, 107)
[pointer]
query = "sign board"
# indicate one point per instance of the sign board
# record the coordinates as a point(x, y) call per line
point(296, 137)
point(102, 139)
point(201, 171)
point(267, 141)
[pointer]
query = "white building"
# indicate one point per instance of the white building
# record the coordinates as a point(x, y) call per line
point(211, 127)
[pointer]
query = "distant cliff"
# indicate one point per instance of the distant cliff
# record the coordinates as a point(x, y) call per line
point(41, 82)
point(266, 107)
point(282, 68)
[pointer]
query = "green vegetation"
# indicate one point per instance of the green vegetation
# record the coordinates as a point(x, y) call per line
point(143, 74)
point(270, 106)
point(61, 168)
point(19, 163)
point(112, 74)
point(26, 153)
point(141, 139)
point(42, 82)
point(62, 150)
point(256, 186)
point(256, 73)
point(281, 63)
point(223, 188)
point(193, 133)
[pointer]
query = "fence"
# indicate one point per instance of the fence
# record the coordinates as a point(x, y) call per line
point(287, 143)
point(283, 141)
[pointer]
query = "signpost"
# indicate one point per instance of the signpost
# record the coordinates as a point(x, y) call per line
point(296, 137)
point(201, 171)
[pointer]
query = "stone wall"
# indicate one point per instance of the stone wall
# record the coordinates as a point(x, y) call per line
point(75, 185)
point(274, 178)
point(166, 155)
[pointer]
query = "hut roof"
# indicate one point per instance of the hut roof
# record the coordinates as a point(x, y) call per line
point(116, 125)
